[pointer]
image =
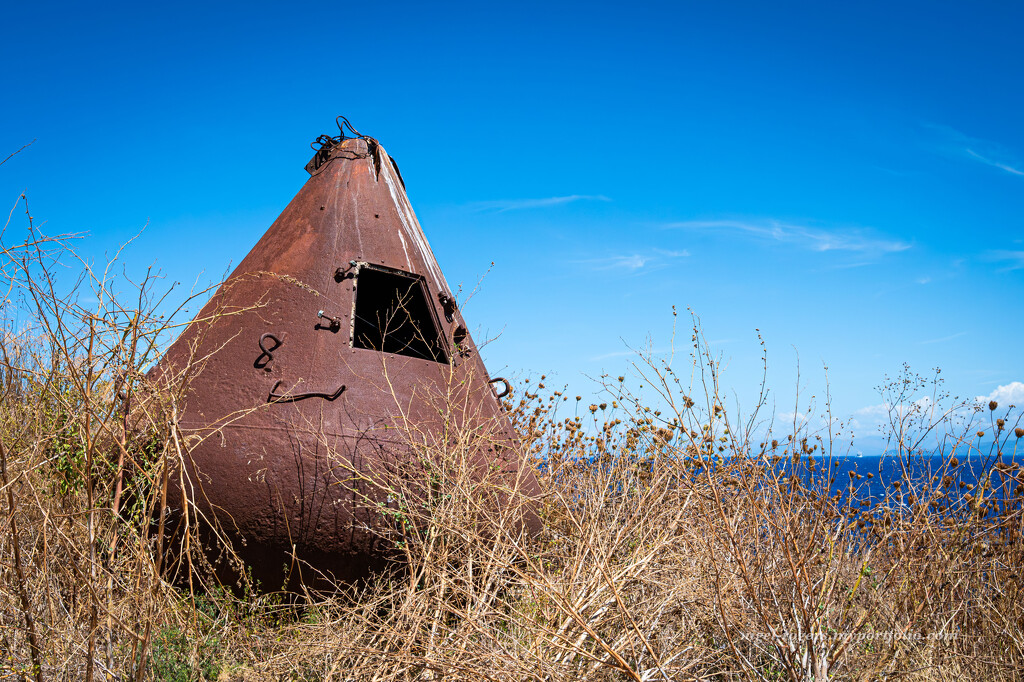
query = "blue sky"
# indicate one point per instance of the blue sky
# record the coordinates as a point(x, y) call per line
point(847, 178)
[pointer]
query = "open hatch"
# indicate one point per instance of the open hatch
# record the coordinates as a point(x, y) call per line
point(392, 314)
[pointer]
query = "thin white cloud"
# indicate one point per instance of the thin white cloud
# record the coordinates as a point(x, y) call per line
point(1001, 166)
point(1014, 259)
point(952, 142)
point(1009, 394)
point(632, 262)
point(871, 415)
point(609, 356)
point(683, 253)
point(637, 352)
point(873, 410)
point(502, 205)
point(848, 266)
point(944, 338)
point(816, 239)
point(880, 415)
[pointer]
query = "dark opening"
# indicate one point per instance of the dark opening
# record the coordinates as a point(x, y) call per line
point(392, 315)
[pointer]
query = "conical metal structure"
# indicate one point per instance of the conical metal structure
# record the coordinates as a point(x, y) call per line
point(331, 350)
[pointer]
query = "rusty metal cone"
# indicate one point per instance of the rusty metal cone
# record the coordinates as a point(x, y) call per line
point(320, 371)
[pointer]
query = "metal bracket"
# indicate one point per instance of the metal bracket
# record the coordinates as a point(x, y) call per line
point(334, 324)
point(341, 274)
point(448, 304)
point(459, 336)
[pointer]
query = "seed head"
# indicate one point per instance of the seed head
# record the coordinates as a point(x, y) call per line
point(992, 405)
point(1019, 432)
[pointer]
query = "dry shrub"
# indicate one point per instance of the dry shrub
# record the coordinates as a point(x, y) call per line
point(87, 447)
point(673, 539)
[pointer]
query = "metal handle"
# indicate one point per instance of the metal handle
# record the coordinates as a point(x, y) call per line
point(285, 398)
point(508, 387)
point(264, 358)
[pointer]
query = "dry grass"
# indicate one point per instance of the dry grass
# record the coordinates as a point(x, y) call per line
point(676, 541)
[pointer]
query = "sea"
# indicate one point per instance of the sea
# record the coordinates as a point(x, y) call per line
point(874, 475)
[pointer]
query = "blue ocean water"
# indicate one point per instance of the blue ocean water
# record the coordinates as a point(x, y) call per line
point(873, 476)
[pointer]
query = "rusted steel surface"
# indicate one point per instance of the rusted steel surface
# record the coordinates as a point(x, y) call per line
point(291, 374)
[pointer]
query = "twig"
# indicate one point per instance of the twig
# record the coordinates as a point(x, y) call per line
point(26, 604)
